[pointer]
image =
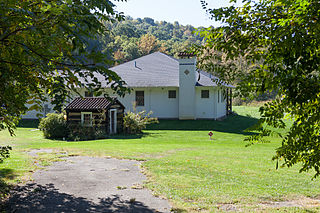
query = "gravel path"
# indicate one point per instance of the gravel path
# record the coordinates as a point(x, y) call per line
point(87, 184)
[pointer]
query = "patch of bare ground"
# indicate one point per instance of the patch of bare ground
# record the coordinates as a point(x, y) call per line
point(303, 202)
point(228, 207)
point(35, 152)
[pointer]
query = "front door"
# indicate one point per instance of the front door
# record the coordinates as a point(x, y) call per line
point(113, 121)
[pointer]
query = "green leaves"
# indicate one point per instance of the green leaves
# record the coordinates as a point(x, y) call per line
point(273, 46)
point(4, 152)
point(46, 46)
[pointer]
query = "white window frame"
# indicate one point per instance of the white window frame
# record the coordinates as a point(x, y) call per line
point(82, 118)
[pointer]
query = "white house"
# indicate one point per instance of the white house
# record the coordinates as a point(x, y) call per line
point(171, 88)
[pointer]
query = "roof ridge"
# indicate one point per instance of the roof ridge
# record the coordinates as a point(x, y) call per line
point(90, 97)
point(167, 55)
point(171, 57)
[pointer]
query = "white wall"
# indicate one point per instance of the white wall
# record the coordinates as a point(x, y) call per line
point(38, 114)
point(33, 114)
point(187, 82)
point(155, 100)
point(163, 106)
point(205, 107)
point(222, 104)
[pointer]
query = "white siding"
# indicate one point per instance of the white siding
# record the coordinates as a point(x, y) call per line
point(38, 114)
point(205, 107)
point(221, 105)
point(187, 82)
point(163, 106)
point(33, 114)
point(155, 100)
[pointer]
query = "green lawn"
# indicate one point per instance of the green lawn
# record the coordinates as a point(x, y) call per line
point(184, 165)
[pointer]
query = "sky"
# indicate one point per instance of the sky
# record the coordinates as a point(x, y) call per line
point(183, 11)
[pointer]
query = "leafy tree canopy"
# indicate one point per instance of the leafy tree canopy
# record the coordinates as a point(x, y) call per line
point(132, 38)
point(45, 46)
point(273, 45)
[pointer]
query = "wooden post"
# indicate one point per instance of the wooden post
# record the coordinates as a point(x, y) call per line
point(230, 100)
point(227, 97)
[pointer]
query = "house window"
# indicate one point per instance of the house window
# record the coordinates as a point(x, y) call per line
point(88, 94)
point(172, 94)
point(204, 93)
point(140, 98)
point(86, 118)
point(218, 96)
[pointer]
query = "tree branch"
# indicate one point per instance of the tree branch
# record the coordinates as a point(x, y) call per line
point(15, 63)
point(53, 61)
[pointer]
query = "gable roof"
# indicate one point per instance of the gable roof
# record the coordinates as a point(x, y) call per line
point(91, 103)
point(153, 70)
point(157, 70)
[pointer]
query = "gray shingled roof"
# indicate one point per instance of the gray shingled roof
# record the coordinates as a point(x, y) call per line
point(155, 70)
point(89, 103)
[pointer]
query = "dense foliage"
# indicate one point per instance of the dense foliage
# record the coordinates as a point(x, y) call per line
point(54, 126)
point(132, 38)
point(78, 132)
point(134, 123)
point(273, 46)
point(45, 46)
point(4, 152)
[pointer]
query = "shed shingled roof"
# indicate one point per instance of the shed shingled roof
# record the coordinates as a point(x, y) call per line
point(89, 103)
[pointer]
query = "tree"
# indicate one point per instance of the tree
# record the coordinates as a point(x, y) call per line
point(148, 44)
point(149, 21)
point(46, 47)
point(279, 41)
point(127, 30)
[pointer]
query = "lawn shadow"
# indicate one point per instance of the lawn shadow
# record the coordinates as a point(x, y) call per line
point(46, 198)
point(133, 136)
point(7, 173)
point(232, 124)
point(120, 136)
point(4, 187)
point(28, 123)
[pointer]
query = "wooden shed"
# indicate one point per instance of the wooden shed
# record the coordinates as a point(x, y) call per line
point(97, 112)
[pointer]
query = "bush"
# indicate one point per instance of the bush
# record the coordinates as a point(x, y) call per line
point(54, 126)
point(134, 123)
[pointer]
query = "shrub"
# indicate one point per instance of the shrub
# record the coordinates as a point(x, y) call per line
point(54, 126)
point(134, 123)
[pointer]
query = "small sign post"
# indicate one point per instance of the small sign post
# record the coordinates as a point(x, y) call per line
point(210, 134)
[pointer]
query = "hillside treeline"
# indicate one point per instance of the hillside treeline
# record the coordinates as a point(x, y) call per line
point(133, 38)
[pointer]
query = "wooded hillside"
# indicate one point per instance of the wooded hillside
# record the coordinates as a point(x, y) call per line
point(133, 38)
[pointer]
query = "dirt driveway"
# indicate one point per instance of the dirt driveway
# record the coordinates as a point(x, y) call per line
point(87, 184)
